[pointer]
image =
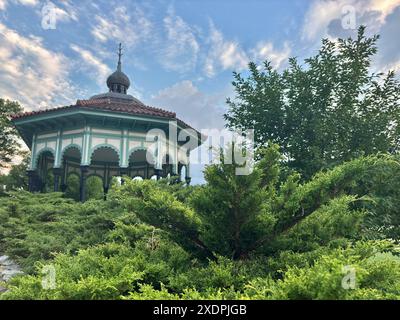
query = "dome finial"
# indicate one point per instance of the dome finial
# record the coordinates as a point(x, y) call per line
point(119, 56)
point(118, 82)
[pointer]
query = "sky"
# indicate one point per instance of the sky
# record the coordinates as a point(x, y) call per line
point(179, 54)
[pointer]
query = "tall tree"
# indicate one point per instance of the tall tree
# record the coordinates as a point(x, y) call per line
point(237, 216)
point(329, 110)
point(16, 177)
point(9, 145)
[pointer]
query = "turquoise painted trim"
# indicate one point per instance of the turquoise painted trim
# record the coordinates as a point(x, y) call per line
point(104, 145)
point(85, 147)
point(32, 164)
point(106, 135)
point(121, 145)
point(57, 160)
point(108, 114)
point(125, 146)
point(36, 158)
point(117, 136)
point(127, 150)
point(136, 138)
point(89, 141)
point(73, 136)
point(52, 139)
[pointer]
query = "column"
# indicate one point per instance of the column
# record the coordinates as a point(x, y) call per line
point(64, 177)
point(173, 147)
point(105, 191)
point(33, 153)
point(158, 173)
point(188, 178)
point(85, 160)
point(31, 180)
point(180, 166)
point(84, 172)
point(123, 172)
point(106, 181)
point(124, 161)
point(57, 159)
point(57, 175)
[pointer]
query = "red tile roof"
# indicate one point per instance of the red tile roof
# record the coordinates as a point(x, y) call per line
point(129, 106)
point(134, 107)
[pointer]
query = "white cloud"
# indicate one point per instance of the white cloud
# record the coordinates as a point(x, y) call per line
point(30, 73)
point(223, 54)
point(198, 109)
point(3, 4)
point(181, 47)
point(394, 66)
point(65, 14)
point(321, 13)
point(318, 17)
point(265, 50)
point(191, 105)
point(98, 70)
point(323, 19)
point(69, 13)
point(384, 7)
point(119, 25)
point(31, 3)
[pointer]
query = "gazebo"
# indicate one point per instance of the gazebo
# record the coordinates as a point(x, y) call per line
point(108, 135)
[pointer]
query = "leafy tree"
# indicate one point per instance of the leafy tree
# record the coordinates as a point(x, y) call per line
point(94, 188)
point(73, 185)
point(233, 208)
point(9, 144)
point(327, 111)
point(375, 265)
point(239, 216)
point(17, 177)
point(156, 206)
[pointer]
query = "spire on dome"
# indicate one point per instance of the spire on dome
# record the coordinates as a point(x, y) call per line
point(119, 57)
point(119, 82)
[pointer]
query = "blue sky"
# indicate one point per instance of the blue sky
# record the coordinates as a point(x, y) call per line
point(179, 54)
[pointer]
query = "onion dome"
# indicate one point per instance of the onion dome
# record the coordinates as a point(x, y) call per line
point(118, 82)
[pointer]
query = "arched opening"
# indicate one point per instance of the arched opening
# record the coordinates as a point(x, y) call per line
point(94, 188)
point(71, 161)
point(72, 182)
point(45, 164)
point(104, 164)
point(72, 154)
point(105, 156)
point(141, 164)
point(167, 166)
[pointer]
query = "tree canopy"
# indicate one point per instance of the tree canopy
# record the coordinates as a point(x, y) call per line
point(263, 236)
point(9, 143)
point(328, 110)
